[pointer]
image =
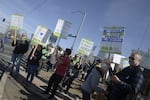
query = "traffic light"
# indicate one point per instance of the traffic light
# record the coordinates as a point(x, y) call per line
point(3, 20)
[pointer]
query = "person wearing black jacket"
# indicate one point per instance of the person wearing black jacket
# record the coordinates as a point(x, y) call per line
point(127, 83)
point(21, 46)
point(33, 62)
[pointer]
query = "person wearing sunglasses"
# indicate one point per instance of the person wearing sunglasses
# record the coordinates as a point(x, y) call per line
point(127, 83)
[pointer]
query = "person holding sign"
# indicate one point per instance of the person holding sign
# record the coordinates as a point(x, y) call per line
point(21, 46)
point(127, 83)
point(62, 66)
point(33, 62)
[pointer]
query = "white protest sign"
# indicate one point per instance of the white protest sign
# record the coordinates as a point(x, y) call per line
point(41, 35)
point(62, 28)
point(16, 22)
point(85, 47)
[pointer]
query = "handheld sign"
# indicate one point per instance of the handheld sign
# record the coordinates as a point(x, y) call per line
point(41, 36)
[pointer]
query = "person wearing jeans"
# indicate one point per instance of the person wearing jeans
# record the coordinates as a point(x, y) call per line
point(16, 59)
point(21, 46)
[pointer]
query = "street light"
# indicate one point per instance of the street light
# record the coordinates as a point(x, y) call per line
point(79, 29)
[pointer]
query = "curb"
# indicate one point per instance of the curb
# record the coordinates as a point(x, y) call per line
point(2, 84)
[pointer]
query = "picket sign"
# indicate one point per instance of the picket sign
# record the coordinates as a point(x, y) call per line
point(32, 55)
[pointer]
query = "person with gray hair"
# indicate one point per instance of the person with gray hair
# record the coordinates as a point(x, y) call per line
point(127, 83)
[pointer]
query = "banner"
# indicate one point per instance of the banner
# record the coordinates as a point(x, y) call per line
point(85, 47)
point(16, 22)
point(62, 28)
point(41, 36)
point(112, 40)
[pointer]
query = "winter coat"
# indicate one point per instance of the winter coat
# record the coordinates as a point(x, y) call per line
point(131, 84)
point(92, 81)
point(21, 46)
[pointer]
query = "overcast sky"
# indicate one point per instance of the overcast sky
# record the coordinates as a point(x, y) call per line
point(134, 15)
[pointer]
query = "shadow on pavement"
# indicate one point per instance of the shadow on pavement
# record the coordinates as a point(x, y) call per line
point(35, 93)
point(31, 91)
point(42, 79)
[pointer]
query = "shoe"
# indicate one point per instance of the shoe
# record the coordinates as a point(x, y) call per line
point(65, 91)
point(11, 73)
point(45, 93)
point(63, 85)
point(50, 97)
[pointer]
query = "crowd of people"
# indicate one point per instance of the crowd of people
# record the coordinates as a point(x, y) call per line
point(125, 84)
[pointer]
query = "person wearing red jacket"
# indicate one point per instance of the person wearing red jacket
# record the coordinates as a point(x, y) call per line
point(62, 66)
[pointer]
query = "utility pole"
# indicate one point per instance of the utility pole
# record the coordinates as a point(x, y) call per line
point(79, 29)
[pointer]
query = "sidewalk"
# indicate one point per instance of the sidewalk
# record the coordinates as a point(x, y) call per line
point(3, 77)
point(2, 85)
